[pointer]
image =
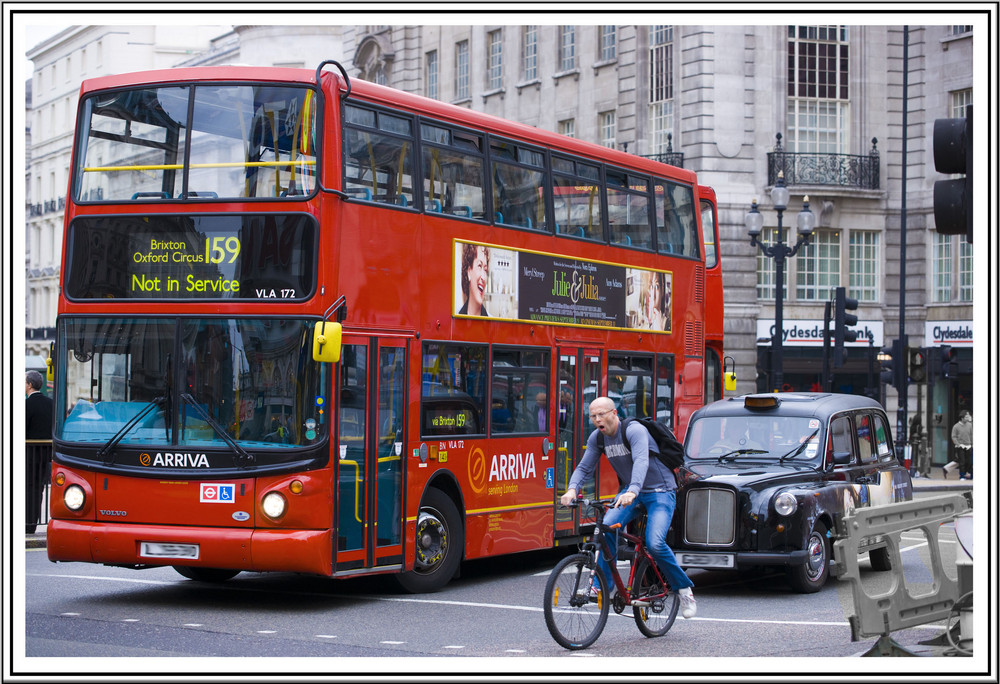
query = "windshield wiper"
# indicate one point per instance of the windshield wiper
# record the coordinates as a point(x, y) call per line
point(731, 455)
point(106, 452)
point(241, 458)
point(799, 447)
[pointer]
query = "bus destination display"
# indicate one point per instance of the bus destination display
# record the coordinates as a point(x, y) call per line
point(246, 257)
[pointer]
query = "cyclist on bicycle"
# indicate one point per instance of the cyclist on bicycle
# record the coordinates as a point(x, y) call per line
point(649, 481)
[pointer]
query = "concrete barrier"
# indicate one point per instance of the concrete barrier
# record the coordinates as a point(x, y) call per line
point(897, 608)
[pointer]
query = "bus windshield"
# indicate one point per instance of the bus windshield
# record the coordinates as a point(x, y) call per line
point(182, 142)
point(193, 383)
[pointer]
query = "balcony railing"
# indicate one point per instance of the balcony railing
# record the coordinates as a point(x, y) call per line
point(818, 168)
point(669, 156)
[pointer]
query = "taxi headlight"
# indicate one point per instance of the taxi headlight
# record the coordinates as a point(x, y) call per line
point(785, 503)
point(274, 505)
point(74, 497)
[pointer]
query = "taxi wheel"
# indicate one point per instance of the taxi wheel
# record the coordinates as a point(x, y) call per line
point(880, 559)
point(810, 577)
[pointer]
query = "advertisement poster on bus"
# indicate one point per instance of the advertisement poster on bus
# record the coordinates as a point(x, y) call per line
point(508, 284)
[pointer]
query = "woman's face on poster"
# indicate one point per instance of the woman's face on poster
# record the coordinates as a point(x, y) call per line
point(478, 275)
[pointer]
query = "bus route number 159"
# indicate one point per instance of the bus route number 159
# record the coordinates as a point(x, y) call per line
point(221, 248)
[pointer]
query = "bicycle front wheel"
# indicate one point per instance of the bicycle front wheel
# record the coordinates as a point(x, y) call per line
point(574, 614)
point(656, 615)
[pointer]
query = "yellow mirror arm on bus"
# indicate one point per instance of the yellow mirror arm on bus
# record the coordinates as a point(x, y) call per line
point(50, 370)
point(729, 375)
point(327, 335)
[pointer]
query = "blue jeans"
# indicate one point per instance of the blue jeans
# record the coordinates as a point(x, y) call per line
point(659, 511)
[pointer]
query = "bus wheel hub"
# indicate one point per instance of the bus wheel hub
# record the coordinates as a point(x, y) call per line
point(432, 541)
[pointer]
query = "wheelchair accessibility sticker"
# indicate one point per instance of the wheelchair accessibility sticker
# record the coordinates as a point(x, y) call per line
point(214, 492)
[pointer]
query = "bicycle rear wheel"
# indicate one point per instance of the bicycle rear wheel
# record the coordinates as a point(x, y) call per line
point(574, 617)
point(657, 616)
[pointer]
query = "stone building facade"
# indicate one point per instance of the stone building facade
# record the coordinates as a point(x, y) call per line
point(714, 99)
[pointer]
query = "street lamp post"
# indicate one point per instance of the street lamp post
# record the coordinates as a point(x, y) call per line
point(779, 251)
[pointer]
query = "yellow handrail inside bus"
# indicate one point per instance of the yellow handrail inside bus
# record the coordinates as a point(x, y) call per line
point(208, 165)
point(357, 486)
point(357, 481)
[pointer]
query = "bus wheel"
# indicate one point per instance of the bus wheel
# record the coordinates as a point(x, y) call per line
point(440, 541)
point(206, 574)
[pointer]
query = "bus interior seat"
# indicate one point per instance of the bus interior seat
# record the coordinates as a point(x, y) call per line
point(151, 195)
point(203, 193)
point(462, 211)
point(361, 193)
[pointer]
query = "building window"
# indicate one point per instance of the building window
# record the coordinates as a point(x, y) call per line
point(661, 86)
point(431, 73)
point(964, 271)
point(567, 127)
point(494, 74)
point(567, 48)
point(462, 70)
point(951, 270)
point(818, 97)
point(941, 269)
point(863, 266)
point(960, 30)
point(608, 128)
point(959, 100)
point(607, 43)
point(529, 53)
point(817, 267)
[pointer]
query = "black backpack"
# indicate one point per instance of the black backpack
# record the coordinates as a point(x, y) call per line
point(671, 451)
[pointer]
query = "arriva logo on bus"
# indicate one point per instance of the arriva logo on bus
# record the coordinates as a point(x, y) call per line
point(180, 460)
point(506, 468)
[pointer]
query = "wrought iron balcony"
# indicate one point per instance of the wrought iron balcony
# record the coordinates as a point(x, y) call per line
point(819, 168)
point(669, 156)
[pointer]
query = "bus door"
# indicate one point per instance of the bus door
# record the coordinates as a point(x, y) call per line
point(579, 384)
point(369, 471)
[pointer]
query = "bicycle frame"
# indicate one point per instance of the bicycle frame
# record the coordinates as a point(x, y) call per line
point(600, 544)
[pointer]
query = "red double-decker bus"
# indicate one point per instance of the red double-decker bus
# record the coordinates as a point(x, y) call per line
point(317, 325)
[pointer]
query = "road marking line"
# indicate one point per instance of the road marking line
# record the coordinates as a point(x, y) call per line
point(392, 643)
point(326, 636)
point(473, 604)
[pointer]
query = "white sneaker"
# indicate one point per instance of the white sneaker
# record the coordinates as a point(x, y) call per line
point(689, 608)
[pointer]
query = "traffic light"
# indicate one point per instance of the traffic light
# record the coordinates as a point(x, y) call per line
point(841, 321)
point(893, 369)
point(949, 365)
point(917, 364)
point(953, 154)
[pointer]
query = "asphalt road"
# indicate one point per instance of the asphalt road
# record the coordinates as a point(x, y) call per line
point(492, 611)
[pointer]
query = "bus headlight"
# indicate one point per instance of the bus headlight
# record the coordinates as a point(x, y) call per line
point(74, 497)
point(274, 505)
point(785, 503)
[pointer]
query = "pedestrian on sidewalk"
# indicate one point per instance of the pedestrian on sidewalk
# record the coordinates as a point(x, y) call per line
point(38, 425)
point(961, 437)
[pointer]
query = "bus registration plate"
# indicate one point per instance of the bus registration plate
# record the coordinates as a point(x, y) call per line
point(706, 560)
point(168, 550)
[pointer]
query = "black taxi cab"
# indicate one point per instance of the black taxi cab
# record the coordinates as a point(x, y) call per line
point(767, 477)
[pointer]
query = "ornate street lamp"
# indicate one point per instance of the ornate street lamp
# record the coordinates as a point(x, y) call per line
point(779, 251)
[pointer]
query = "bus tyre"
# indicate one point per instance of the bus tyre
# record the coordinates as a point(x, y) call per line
point(206, 574)
point(439, 543)
point(810, 577)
